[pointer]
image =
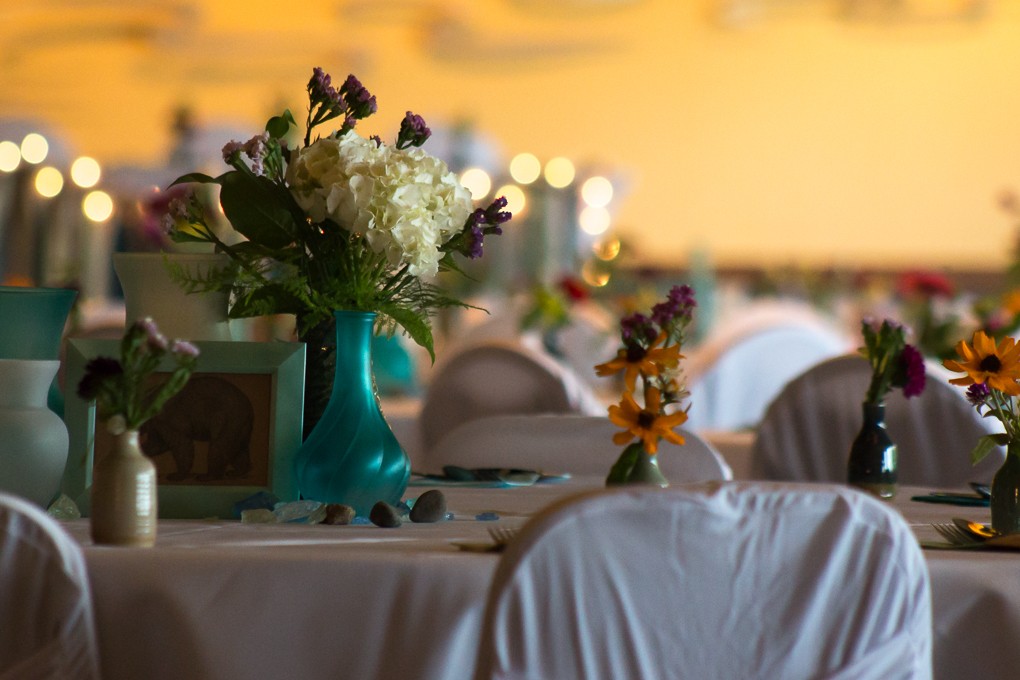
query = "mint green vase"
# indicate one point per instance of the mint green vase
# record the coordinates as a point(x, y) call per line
point(351, 455)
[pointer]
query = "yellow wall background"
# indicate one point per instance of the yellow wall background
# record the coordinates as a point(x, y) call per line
point(799, 138)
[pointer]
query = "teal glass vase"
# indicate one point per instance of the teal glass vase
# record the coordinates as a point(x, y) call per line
point(1005, 502)
point(32, 324)
point(351, 456)
point(636, 466)
point(873, 465)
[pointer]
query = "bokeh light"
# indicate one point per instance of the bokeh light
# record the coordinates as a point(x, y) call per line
point(593, 275)
point(607, 249)
point(525, 168)
point(97, 206)
point(516, 200)
point(48, 181)
point(597, 191)
point(559, 172)
point(593, 220)
point(85, 172)
point(34, 148)
point(10, 156)
point(476, 181)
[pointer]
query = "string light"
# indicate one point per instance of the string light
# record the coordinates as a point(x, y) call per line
point(34, 148)
point(49, 182)
point(525, 168)
point(85, 172)
point(476, 181)
point(559, 172)
point(597, 191)
point(10, 156)
point(594, 220)
point(516, 200)
point(97, 206)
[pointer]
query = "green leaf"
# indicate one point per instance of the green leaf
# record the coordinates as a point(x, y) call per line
point(620, 471)
point(279, 126)
point(258, 209)
point(986, 445)
point(199, 177)
point(412, 322)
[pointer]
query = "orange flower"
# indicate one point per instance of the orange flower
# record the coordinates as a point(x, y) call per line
point(983, 362)
point(648, 424)
point(635, 360)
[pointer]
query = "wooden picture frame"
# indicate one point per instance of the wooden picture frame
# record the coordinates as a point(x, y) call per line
point(257, 384)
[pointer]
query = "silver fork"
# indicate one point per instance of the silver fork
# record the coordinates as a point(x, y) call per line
point(501, 536)
point(954, 534)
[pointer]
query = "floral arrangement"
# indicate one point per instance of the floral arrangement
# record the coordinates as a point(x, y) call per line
point(651, 353)
point(894, 363)
point(992, 377)
point(341, 222)
point(124, 394)
point(927, 303)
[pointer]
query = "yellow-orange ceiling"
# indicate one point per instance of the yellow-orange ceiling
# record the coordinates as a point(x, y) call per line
point(754, 130)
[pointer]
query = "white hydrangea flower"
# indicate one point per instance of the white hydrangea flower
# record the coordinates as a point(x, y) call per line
point(406, 203)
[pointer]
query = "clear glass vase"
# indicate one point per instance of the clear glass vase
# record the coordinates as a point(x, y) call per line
point(636, 466)
point(351, 456)
point(873, 461)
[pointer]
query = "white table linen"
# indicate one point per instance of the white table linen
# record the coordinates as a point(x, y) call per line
point(224, 599)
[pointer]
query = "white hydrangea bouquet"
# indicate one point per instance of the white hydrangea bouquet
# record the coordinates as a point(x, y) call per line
point(340, 223)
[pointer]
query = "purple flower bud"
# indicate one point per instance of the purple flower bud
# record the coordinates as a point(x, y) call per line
point(978, 393)
point(413, 131)
point(358, 99)
point(97, 372)
point(637, 328)
point(913, 370)
point(183, 348)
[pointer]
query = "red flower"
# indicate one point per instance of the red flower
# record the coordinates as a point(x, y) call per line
point(925, 285)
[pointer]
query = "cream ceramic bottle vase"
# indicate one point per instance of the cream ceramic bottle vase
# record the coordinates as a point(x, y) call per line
point(124, 501)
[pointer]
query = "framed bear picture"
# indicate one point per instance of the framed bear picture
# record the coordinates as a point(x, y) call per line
point(230, 433)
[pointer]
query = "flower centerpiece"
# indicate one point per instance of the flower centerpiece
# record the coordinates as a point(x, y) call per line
point(339, 229)
point(992, 377)
point(651, 354)
point(873, 462)
point(127, 394)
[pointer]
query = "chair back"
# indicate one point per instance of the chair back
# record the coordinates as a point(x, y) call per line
point(808, 429)
point(495, 378)
point(738, 372)
point(47, 624)
point(721, 580)
point(577, 444)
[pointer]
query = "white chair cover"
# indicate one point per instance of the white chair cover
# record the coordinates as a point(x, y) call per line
point(724, 581)
point(47, 626)
point(808, 430)
point(571, 443)
point(739, 370)
point(500, 378)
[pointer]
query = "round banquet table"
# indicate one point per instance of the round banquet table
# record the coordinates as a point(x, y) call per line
point(222, 599)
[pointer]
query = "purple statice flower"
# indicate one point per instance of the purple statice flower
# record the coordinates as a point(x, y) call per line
point(637, 329)
point(255, 148)
point(377, 140)
point(360, 102)
point(495, 215)
point(912, 365)
point(97, 372)
point(978, 393)
point(321, 90)
point(231, 149)
point(474, 242)
point(679, 305)
point(183, 348)
point(413, 131)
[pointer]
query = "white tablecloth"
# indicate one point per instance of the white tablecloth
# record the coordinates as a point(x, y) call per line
point(230, 600)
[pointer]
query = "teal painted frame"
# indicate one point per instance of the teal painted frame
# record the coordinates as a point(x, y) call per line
point(284, 361)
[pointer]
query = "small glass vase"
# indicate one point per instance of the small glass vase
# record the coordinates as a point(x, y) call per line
point(873, 461)
point(351, 456)
point(124, 501)
point(636, 466)
point(1005, 503)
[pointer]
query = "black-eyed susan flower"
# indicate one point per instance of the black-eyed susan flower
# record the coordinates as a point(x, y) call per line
point(649, 424)
point(984, 362)
point(635, 359)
